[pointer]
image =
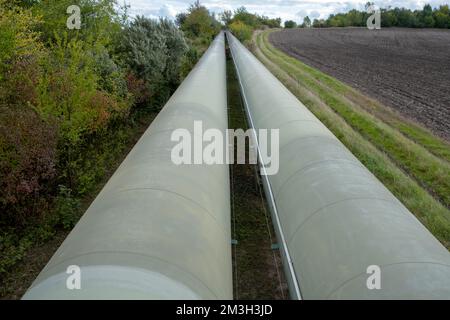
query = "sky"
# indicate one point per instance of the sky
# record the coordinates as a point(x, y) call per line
point(285, 9)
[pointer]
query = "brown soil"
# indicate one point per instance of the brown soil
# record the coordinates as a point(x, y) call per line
point(406, 69)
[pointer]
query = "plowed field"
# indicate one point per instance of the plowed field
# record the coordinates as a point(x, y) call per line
point(406, 69)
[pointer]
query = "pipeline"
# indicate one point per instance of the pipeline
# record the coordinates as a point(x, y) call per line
point(336, 223)
point(157, 230)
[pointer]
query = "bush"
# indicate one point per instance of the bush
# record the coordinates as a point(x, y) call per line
point(17, 36)
point(67, 208)
point(100, 23)
point(69, 92)
point(176, 49)
point(27, 164)
point(242, 31)
point(20, 54)
point(138, 89)
point(111, 76)
point(19, 87)
point(154, 50)
point(189, 61)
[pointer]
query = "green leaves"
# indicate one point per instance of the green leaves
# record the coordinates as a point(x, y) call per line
point(393, 17)
point(18, 39)
point(154, 51)
point(241, 30)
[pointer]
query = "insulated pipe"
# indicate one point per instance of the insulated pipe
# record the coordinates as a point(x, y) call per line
point(157, 230)
point(336, 220)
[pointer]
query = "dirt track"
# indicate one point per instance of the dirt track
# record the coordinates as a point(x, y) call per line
point(407, 69)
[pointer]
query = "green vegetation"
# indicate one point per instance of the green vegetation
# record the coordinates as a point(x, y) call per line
point(72, 102)
point(242, 23)
point(428, 17)
point(306, 23)
point(198, 22)
point(290, 24)
point(241, 30)
point(154, 51)
point(199, 27)
point(407, 158)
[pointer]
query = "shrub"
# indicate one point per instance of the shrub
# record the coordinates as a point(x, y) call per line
point(27, 163)
point(67, 208)
point(20, 54)
point(111, 76)
point(189, 60)
point(242, 31)
point(69, 91)
point(138, 89)
point(154, 50)
point(19, 86)
point(100, 23)
point(17, 36)
point(176, 48)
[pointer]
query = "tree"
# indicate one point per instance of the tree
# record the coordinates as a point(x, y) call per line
point(226, 17)
point(355, 18)
point(426, 17)
point(272, 23)
point(289, 24)
point(388, 18)
point(442, 17)
point(307, 22)
point(319, 23)
point(198, 22)
point(242, 31)
point(254, 21)
point(405, 17)
point(247, 18)
point(180, 18)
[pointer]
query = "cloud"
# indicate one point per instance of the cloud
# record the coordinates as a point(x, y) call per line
point(295, 10)
point(167, 11)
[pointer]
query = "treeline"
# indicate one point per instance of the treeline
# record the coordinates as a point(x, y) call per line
point(242, 23)
point(68, 101)
point(390, 17)
point(289, 24)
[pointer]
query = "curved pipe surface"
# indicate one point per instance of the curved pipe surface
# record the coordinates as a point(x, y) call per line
point(335, 217)
point(157, 230)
